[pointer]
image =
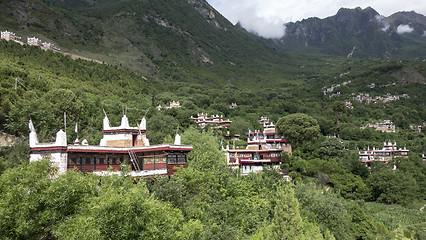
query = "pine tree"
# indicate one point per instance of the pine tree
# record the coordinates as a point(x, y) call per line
point(287, 223)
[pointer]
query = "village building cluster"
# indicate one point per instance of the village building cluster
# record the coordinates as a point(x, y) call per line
point(334, 87)
point(386, 98)
point(31, 41)
point(126, 146)
point(388, 152)
point(120, 146)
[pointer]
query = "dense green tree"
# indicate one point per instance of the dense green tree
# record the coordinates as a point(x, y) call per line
point(392, 186)
point(298, 128)
point(325, 208)
point(123, 211)
point(206, 154)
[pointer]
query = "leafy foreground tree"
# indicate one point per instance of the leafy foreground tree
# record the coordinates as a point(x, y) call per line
point(78, 206)
point(31, 204)
point(123, 210)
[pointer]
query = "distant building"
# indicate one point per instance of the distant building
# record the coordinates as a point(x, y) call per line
point(385, 126)
point(119, 145)
point(33, 41)
point(216, 122)
point(45, 45)
point(262, 149)
point(10, 36)
point(174, 104)
point(49, 46)
point(264, 121)
point(416, 128)
point(233, 106)
point(348, 104)
point(385, 154)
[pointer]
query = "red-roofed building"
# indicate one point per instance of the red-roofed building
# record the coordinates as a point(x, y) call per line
point(123, 144)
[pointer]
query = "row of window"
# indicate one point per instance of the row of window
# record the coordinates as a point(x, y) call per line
point(177, 158)
point(255, 157)
point(92, 160)
point(173, 159)
point(152, 160)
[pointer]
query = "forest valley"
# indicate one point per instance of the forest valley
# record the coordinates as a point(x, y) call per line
point(331, 195)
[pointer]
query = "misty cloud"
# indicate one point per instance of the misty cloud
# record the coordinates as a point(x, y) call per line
point(404, 29)
point(272, 28)
point(382, 22)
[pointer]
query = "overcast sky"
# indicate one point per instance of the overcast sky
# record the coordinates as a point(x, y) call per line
point(266, 17)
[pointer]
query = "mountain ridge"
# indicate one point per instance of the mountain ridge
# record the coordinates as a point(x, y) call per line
point(372, 34)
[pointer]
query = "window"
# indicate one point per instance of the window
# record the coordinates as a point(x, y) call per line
point(172, 159)
point(181, 158)
point(148, 160)
point(161, 159)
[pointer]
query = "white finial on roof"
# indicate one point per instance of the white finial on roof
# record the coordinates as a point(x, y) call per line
point(124, 122)
point(33, 139)
point(106, 122)
point(61, 138)
point(31, 126)
point(177, 139)
point(143, 124)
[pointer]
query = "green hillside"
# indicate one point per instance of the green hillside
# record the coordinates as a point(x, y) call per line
point(160, 51)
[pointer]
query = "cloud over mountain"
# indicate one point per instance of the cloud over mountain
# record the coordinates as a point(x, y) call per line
point(401, 29)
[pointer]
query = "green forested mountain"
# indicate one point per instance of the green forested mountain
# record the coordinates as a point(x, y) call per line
point(161, 51)
point(176, 41)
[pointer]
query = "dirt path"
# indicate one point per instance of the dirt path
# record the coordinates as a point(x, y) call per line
point(75, 56)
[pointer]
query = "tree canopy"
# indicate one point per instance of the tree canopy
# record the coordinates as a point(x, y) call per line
point(298, 128)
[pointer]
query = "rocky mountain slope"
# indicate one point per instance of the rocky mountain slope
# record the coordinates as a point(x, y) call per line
point(358, 33)
point(169, 40)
